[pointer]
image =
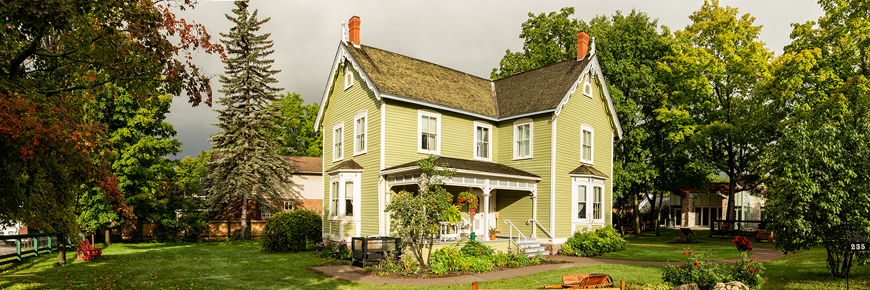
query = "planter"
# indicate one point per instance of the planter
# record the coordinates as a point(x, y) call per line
point(492, 237)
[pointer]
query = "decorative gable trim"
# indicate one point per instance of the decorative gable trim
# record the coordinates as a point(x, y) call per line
point(594, 68)
point(341, 56)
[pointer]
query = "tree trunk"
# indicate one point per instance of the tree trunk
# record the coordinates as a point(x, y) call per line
point(658, 216)
point(108, 241)
point(731, 184)
point(244, 218)
point(636, 214)
point(61, 250)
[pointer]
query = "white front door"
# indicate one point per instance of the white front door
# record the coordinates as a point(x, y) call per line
point(480, 228)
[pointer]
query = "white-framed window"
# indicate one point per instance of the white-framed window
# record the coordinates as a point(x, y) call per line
point(348, 77)
point(523, 135)
point(428, 132)
point(337, 142)
point(360, 127)
point(482, 141)
point(344, 196)
point(587, 144)
point(588, 200)
point(587, 86)
point(333, 198)
point(288, 205)
point(348, 198)
point(265, 213)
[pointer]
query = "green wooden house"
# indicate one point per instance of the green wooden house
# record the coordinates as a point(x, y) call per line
point(535, 147)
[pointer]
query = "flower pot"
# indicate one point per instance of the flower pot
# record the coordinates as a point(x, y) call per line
point(492, 237)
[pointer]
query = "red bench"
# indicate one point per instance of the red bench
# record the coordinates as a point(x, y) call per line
point(86, 252)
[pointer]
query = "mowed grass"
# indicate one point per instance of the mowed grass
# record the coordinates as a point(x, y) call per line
point(648, 247)
point(242, 265)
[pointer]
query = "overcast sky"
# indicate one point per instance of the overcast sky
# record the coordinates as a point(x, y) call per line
point(470, 36)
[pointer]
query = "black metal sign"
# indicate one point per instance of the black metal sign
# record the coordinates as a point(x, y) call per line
point(859, 246)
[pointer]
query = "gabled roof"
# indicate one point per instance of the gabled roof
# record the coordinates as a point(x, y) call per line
point(587, 170)
point(346, 165)
point(470, 165)
point(398, 75)
point(539, 89)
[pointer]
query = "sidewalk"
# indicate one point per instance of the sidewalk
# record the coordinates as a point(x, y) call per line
point(355, 274)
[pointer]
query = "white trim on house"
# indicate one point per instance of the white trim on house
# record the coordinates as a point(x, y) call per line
point(348, 77)
point(338, 154)
point(430, 115)
point(464, 171)
point(587, 86)
point(356, 133)
point(383, 140)
point(341, 55)
point(515, 146)
point(343, 178)
point(593, 68)
point(589, 184)
point(553, 179)
point(489, 140)
point(439, 107)
point(583, 129)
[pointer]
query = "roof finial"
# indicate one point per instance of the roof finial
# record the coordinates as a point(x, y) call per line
point(592, 50)
point(344, 32)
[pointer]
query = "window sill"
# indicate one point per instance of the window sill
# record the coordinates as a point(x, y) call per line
point(483, 159)
point(587, 162)
point(523, 157)
point(355, 154)
point(421, 151)
point(337, 160)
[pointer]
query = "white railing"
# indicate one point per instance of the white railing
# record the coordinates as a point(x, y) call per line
point(535, 222)
point(507, 221)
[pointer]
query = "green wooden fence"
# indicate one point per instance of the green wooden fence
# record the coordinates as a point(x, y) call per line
point(26, 246)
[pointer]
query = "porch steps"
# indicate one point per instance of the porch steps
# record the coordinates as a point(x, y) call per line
point(532, 248)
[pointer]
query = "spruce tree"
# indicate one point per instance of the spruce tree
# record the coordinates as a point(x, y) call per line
point(248, 167)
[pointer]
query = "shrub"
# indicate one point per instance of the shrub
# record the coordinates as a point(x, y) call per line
point(696, 268)
point(476, 249)
point(742, 243)
point(590, 243)
point(690, 239)
point(330, 249)
point(481, 265)
point(500, 259)
point(450, 259)
point(291, 231)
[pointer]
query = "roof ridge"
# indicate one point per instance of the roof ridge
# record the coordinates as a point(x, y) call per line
point(537, 68)
point(423, 61)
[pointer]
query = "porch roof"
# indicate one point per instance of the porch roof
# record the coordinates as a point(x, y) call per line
point(346, 165)
point(587, 170)
point(467, 166)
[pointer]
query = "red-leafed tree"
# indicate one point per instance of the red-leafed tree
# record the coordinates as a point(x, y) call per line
point(54, 57)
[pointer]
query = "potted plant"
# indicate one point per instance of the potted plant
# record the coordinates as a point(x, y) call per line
point(492, 233)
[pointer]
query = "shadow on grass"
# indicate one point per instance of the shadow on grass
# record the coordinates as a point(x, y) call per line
point(172, 266)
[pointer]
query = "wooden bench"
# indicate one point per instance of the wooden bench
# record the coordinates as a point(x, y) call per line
point(86, 252)
point(766, 236)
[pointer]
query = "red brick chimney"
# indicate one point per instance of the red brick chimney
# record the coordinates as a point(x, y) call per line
point(582, 44)
point(353, 28)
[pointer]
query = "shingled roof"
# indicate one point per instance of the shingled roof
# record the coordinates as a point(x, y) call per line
point(346, 165)
point(403, 76)
point(538, 89)
point(587, 170)
point(472, 165)
point(299, 164)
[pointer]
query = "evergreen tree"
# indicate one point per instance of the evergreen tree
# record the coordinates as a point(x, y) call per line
point(249, 168)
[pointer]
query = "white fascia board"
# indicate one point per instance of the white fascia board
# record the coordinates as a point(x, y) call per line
point(593, 63)
point(344, 170)
point(341, 54)
point(413, 168)
point(589, 176)
point(398, 170)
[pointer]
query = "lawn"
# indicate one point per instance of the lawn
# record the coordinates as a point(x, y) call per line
point(241, 265)
point(648, 247)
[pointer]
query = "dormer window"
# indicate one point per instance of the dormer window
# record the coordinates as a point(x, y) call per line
point(348, 77)
point(587, 86)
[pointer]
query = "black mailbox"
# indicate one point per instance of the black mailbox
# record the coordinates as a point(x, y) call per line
point(374, 249)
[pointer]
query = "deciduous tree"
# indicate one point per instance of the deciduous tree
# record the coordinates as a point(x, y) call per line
point(297, 134)
point(249, 167)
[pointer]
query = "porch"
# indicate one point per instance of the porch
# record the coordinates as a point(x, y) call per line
point(507, 197)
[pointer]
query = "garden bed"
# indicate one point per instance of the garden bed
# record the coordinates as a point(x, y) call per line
point(426, 275)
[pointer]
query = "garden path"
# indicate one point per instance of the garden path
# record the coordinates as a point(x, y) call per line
point(355, 274)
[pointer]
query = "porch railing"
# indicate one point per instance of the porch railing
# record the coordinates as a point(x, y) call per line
point(507, 221)
point(26, 246)
point(535, 222)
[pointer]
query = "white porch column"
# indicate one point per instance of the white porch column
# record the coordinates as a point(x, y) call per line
point(534, 213)
point(486, 212)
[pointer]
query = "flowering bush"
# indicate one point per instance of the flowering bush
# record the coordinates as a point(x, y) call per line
point(590, 243)
point(330, 249)
point(696, 268)
point(742, 243)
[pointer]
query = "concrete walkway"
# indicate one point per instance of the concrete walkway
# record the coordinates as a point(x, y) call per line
point(355, 274)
